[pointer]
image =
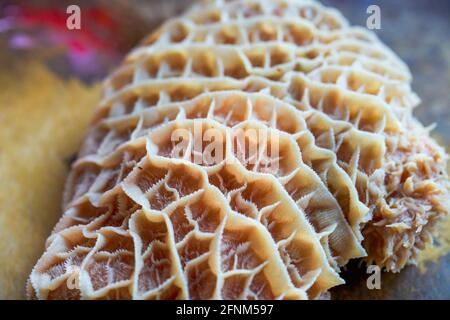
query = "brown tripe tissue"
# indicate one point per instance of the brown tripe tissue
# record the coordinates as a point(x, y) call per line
point(342, 169)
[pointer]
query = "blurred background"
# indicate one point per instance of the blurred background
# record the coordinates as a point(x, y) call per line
point(49, 84)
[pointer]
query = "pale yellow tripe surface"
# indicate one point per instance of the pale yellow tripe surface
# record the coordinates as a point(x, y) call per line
point(354, 164)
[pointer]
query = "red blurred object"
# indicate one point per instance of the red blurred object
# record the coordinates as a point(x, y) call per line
point(109, 29)
point(86, 50)
point(98, 26)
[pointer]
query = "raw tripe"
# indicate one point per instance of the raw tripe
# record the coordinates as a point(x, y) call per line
point(353, 174)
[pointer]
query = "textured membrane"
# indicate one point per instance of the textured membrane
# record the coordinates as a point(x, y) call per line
point(338, 169)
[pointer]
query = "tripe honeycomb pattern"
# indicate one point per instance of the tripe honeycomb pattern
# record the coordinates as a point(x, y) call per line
point(356, 175)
